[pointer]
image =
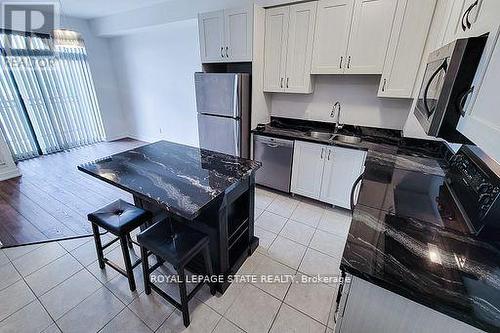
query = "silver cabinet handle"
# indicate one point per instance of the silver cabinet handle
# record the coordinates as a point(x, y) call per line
point(341, 59)
point(281, 82)
point(322, 152)
point(349, 62)
point(222, 52)
point(287, 79)
point(383, 86)
point(329, 153)
point(227, 50)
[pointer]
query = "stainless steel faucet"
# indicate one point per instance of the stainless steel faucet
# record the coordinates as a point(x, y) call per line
point(338, 124)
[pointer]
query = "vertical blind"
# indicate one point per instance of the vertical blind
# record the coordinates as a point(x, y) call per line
point(48, 99)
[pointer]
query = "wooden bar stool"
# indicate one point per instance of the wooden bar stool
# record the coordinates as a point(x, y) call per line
point(118, 218)
point(176, 244)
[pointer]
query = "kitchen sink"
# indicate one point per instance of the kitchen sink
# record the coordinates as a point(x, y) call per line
point(321, 135)
point(347, 139)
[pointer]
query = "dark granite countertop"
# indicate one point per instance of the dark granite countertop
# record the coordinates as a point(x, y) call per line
point(180, 178)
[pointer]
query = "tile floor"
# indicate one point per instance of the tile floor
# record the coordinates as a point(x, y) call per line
point(58, 286)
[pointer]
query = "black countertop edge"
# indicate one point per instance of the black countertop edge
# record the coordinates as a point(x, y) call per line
point(415, 298)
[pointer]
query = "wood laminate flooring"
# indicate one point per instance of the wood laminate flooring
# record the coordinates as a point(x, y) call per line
point(51, 200)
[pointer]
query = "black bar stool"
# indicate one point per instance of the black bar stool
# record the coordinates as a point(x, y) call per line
point(118, 218)
point(177, 244)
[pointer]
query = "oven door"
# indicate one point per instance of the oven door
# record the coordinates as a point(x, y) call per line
point(428, 110)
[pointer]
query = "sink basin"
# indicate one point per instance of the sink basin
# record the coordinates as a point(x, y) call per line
point(321, 135)
point(347, 139)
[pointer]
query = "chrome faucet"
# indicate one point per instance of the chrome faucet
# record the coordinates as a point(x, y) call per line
point(338, 124)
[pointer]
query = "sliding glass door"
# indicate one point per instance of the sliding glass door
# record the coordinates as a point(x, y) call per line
point(51, 95)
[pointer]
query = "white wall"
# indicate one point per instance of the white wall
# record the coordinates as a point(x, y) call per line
point(103, 73)
point(155, 71)
point(357, 95)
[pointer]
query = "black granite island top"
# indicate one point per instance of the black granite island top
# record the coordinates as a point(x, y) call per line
point(405, 237)
point(179, 178)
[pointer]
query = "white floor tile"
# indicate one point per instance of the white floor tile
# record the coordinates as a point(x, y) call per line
point(91, 314)
point(317, 263)
point(203, 319)
point(257, 212)
point(263, 198)
point(271, 222)
point(297, 232)
point(327, 243)
point(3, 258)
point(267, 271)
point(283, 206)
point(291, 320)
point(119, 286)
point(152, 309)
point(8, 275)
point(336, 221)
point(266, 238)
point(253, 310)
point(72, 244)
point(220, 302)
point(251, 264)
point(38, 258)
point(14, 298)
point(16, 252)
point(68, 294)
point(52, 329)
point(126, 322)
point(54, 273)
point(287, 252)
point(225, 326)
point(31, 318)
point(315, 300)
point(308, 213)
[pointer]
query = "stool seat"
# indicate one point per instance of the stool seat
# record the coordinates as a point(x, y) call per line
point(119, 217)
point(175, 243)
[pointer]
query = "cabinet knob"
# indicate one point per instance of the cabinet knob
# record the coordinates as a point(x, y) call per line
point(349, 62)
point(383, 86)
point(287, 80)
point(329, 153)
point(227, 52)
point(222, 52)
point(341, 59)
point(322, 152)
point(281, 82)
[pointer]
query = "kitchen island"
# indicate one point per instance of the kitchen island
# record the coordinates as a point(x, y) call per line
point(211, 192)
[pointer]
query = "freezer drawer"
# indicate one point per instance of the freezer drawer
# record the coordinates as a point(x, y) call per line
point(219, 134)
point(276, 156)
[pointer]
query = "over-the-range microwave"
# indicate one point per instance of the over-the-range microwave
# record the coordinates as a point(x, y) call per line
point(447, 83)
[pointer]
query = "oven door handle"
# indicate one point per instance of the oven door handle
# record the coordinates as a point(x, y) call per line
point(353, 190)
point(444, 66)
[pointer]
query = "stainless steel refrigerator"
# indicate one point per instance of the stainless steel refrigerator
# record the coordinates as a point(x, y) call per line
point(223, 103)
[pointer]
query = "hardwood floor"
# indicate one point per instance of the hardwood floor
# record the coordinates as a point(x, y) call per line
point(52, 198)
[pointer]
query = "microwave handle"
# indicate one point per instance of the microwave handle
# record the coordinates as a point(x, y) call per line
point(462, 99)
point(444, 66)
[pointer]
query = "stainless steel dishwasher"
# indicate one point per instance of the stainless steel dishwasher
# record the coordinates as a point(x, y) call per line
point(276, 156)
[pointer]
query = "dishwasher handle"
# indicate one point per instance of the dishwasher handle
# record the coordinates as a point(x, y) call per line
point(273, 142)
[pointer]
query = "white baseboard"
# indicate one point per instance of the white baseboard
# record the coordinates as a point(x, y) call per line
point(9, 173)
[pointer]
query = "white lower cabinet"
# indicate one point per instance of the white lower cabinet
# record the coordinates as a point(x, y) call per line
point(326, 173)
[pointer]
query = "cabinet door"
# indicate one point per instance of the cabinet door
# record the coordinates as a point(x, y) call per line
point(211, 31)
point(275, 46)
point(238, 25)
point(484, 17)
point(482, 124)
point(299, 48)
point(333, 24)
point(342, 167)
point(308, 161)
point(369, 38)
point(406, 46)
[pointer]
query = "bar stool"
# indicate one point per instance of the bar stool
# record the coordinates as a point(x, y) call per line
point(119, 218)
point(176, 244)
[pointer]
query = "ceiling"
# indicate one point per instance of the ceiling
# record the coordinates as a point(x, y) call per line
point(88, 9)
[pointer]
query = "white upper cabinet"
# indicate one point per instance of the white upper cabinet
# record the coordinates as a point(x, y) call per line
point(370, 32)
point(406, 47)
point(238, 34)
point(226, 35)
point(275, 48)
point(288, 48)
point(482, 124)
point(333, 24)
point(307, 170)
point(342, 167)
point(352, 36)
point(211, 31)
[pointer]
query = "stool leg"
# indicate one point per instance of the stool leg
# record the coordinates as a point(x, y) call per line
point(98, 245)
point(145, 270)
point(128, 263)
point(208, 267)
point(184, 298)
point(129, 241)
